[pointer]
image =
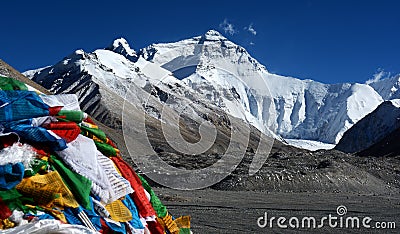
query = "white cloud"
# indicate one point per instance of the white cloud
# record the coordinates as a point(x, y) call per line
point(228, 27)
point(380, 74)
point(252, 43)
point(251, 29)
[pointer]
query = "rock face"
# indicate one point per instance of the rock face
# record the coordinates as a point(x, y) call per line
point(388, 146)
point(372, 128)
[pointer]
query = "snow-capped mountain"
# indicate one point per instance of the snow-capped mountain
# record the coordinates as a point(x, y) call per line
point(372, 128)
point(229, 77)
point(388, 88)
point(211, 69)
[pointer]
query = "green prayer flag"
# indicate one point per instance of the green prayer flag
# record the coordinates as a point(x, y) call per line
point(105, 149)
point(11, 84)
point(184, 231)
point(90, 132)
point(10, 194)
point(79, 185)
point(15, 201)
point(72, 115)
point(160, 209)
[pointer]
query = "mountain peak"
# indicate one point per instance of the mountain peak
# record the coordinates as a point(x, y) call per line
point(121, 46)
point(77, 55)
point(213, 35)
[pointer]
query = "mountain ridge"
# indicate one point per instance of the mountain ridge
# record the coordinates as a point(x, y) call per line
point(289, 119)
point(290, 107)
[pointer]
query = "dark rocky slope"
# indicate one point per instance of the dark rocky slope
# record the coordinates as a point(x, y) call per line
point(372, 128)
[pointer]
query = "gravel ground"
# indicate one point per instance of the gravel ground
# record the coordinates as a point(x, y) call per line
point(215, 211)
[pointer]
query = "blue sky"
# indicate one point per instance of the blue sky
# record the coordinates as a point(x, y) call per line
point(330, 41)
